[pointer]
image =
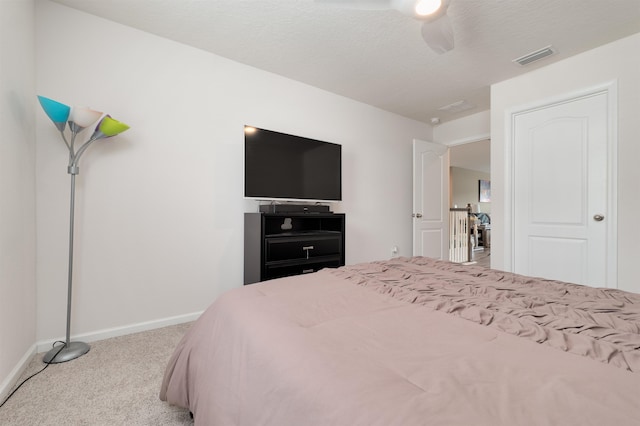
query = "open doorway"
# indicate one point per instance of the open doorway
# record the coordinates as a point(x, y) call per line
point(470, 180)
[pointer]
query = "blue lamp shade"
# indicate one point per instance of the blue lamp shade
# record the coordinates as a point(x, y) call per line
point(57, 112)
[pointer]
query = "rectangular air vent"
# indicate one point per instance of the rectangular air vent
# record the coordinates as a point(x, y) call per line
point(457, 106)
point(535, 56)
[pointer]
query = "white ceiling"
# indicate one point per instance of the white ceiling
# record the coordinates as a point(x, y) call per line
point(379, 57)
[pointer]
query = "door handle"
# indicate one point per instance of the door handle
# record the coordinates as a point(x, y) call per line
point(418, 215)
point(598, 217)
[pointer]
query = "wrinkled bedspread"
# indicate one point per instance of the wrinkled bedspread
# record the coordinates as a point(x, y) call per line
point(411, 341)
point(603, 324)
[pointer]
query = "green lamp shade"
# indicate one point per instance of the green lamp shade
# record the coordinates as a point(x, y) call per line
point(57, 112)
point(108, 127)
point(111, 127)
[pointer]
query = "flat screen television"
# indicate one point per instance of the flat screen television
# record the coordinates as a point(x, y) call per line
point(278, 166)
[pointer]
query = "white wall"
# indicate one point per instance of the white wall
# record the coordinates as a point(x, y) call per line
point(615, 61)
point(472, 128)
point(464, 188)
point(160, 208)
point(17, 190)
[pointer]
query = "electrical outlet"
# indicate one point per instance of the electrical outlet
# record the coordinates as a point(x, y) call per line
point(394, 251)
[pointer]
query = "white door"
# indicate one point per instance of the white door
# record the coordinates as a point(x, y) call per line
point(560, 217)
point(430, 200)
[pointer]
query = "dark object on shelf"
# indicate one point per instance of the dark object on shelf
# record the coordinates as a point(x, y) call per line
point(294, 208)
point(280, 245)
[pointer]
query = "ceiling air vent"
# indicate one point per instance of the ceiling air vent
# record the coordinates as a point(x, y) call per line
point(535, 56)
point(458, 106)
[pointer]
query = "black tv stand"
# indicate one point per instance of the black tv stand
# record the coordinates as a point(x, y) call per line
point(283, 244)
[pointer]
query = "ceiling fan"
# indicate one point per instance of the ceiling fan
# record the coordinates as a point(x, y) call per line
point(437, 30)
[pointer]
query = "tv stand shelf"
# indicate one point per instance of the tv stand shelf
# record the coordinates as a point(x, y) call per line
point(283, 244)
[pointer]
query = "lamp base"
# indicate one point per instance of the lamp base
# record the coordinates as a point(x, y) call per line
point(72, 350)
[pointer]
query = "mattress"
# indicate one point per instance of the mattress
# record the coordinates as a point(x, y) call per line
point(411, 341)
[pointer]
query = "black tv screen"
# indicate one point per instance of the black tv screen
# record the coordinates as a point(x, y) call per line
point(287, 167)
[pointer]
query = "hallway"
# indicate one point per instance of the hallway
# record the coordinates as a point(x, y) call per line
point(482, 257)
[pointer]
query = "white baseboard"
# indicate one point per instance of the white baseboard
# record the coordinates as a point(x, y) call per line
point(45, 345)
point(9, 382)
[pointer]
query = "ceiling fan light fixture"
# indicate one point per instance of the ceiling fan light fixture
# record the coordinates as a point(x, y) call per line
point(427, 7)
point(423, 10)
point(437, 30)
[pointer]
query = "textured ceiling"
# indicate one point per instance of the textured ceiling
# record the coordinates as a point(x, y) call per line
point(379, 57)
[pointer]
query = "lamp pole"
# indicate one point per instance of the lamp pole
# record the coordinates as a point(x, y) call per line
point(71, 350)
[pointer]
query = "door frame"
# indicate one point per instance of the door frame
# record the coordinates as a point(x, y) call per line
point(479, 137)
point(610, 89)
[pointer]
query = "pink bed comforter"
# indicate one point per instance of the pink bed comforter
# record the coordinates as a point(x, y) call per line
point(411, 342)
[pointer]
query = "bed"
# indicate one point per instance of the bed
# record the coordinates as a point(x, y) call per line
point(411, 341)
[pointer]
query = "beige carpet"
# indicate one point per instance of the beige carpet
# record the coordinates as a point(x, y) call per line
point(116, 383)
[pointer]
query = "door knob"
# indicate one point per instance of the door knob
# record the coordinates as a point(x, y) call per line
point(418, 215)
point(598, 218)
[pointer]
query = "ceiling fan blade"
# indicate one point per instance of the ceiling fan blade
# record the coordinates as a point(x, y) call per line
point(438, 34)
point(359, 4)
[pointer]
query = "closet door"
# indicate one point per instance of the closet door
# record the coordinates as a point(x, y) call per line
point(560, 154)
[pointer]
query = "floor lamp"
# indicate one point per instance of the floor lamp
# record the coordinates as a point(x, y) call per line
point(79, 118)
